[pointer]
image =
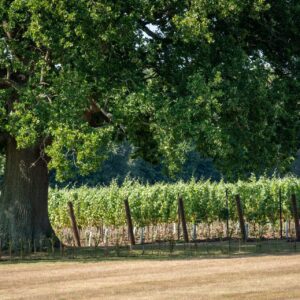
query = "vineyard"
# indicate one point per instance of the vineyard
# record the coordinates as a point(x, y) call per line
point(210, 210)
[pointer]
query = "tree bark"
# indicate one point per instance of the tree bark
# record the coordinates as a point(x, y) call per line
point(24, 198)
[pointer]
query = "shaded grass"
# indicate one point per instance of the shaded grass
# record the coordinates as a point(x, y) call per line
point(163, 250)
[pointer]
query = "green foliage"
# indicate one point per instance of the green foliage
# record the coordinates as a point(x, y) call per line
point(80, 145)
point(204, 201)
point(219, 77)
point(56, 58)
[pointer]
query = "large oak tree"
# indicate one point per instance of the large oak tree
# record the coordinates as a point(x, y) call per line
point(78, 76)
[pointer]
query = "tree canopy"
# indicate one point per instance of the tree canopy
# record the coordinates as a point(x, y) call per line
point(220, 77)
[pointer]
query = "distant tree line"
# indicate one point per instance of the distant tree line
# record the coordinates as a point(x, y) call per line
point(122, 164)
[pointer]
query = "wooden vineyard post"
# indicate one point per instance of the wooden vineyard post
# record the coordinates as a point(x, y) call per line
point(227, 215)
point(241, 217)
point(129, 223)
point(142, 236)
point(287, 229)
point(90, 238)
point(280, 212)
point(296, 217)
point(194, 232)
point(182, 217)
point(74, 224)
point(178, 224)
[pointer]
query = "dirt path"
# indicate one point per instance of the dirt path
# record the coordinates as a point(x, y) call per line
point(265, 277)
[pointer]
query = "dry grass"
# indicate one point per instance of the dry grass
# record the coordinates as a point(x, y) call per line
point(263, 277)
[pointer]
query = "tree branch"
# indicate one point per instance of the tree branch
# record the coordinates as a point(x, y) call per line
point(149, 32)
point(97, 116)
point(7, 32)
point(42, 70)
point(6, 84)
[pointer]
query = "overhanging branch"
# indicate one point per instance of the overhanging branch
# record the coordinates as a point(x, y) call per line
point(8, 83)
point(97, 116)
point(151, 33)
point(5, 29)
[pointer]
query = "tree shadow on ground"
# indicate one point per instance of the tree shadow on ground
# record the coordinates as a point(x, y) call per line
point(160, 251)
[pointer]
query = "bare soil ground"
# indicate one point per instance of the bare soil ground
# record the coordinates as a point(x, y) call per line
point(260, 277)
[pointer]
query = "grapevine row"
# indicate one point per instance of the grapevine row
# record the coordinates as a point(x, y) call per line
point(204, 201)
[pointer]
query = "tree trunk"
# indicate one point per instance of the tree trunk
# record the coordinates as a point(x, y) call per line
point(24, 198)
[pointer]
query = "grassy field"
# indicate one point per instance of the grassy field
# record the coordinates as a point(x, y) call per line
point(256, 277)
